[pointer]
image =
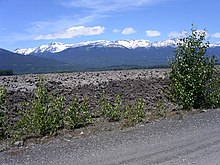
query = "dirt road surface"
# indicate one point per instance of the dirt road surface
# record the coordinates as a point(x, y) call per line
point(195, 139)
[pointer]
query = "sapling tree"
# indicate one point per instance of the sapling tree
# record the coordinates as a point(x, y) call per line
point(193, 75)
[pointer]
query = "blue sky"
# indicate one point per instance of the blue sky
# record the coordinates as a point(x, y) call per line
point(30, 23)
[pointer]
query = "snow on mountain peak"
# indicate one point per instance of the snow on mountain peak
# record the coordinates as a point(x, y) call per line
point(55, 47)
point(132, 44)
point(215, 45)
point(24, 51)
point(169, 42)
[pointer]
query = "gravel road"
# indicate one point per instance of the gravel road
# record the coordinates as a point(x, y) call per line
point(195, 139)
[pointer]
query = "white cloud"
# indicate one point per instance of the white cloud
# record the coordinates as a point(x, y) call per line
point(128, 30)
point(175, 34)
point(73, 32)
point(35, 30)
point(215, 35)
point(47, 26)
point(116, 30)
point(153, 33)
point(110, 5)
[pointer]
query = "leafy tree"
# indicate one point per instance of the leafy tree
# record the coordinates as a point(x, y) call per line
point(194, 81)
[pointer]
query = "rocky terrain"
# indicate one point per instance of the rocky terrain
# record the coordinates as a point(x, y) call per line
point(131, 85)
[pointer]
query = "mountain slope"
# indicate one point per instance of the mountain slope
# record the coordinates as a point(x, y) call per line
point(29, 64)
point(105, 54)
point(105, 57)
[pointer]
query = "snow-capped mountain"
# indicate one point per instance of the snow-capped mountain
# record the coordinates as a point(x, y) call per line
point(54, 47)
point(215, 45)
point(129, 44)
point(169, 42)
point(97, 55)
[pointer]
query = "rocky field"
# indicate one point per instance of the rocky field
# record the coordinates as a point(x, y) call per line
point(131, 85)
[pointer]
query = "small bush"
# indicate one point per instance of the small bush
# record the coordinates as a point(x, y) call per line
point(2, 96)
point(44, 116)
point(140, 110)
point(213, 93)
point(193, 73)
point(111, 112)
point(3, 115)
point(78, 114)
point(160, 110)
point(134, 114)
point(3, 125)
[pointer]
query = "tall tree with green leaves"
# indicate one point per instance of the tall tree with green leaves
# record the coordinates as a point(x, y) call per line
point(194, 82)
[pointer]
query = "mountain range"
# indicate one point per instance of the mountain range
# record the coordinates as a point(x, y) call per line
point(56, 47)
point(92, 55)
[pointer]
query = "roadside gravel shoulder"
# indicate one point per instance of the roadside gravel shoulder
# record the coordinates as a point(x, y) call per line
point(171, 140)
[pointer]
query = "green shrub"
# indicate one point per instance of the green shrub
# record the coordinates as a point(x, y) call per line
point(44, 116)
point(2, 96)
point(160, 110)
point(78, 114)
point(193, 72)
point(2, 124)
point(213, 93)
point(140, 110)
point(3, 115)
point(111, 112)
point(134, 114)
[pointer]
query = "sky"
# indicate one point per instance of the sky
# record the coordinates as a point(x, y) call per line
point(30, 23)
